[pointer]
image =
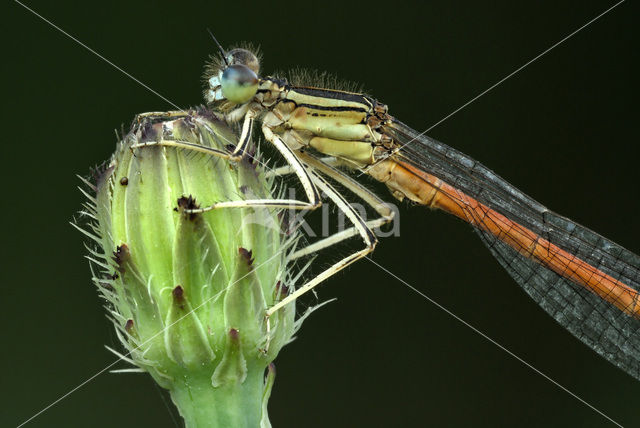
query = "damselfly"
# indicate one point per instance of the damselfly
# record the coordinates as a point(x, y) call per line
point(587, 283)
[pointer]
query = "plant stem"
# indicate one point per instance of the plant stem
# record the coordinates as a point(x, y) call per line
point(232, 405)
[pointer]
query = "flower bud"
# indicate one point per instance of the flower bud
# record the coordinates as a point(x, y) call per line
point(187, 291)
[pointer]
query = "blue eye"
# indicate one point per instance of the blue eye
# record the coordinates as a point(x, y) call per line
point(239, 83)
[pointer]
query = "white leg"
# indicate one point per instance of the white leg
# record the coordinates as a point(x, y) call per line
point(310, 189)
point(286, 169)
point(237, 114)
point(172, 115)
point(386, 214)
point(367, 235)
point(185, 145)
point(325, 166)
point(164, 115)
point(245, 136)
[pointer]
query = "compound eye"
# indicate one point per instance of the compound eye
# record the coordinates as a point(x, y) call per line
point(245, 57)
point(239, 83)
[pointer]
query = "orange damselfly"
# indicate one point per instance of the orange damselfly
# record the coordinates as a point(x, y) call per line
point(587, 283)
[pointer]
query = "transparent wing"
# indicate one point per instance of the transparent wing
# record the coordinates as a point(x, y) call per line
point(609, 331)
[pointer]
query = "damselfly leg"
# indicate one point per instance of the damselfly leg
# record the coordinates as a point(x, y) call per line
point(308, 171)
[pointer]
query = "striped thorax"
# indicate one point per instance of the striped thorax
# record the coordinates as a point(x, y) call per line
point(342, 124)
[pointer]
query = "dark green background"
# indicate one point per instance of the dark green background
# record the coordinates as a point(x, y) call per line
point(564, 130)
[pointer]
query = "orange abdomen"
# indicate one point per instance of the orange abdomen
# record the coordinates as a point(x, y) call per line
point(405, 180)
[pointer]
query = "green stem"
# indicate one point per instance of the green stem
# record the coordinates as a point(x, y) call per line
point(232, 405)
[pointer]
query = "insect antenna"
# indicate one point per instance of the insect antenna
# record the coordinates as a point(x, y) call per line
point(224, 54)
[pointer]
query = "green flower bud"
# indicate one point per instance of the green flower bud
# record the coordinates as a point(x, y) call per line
point(187, 292)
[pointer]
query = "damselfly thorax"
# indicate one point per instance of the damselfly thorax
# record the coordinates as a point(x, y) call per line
point(338, 123)
point(335, 123)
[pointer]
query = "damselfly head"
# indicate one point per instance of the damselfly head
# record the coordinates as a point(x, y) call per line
point(235, 78)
